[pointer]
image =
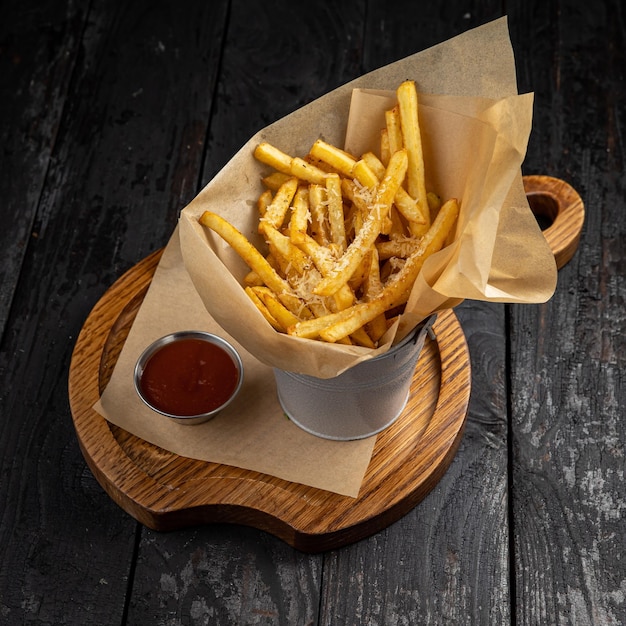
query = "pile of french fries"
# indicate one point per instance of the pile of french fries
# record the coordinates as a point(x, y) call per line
point(347, 236)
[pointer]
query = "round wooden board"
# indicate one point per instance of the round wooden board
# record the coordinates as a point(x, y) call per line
point(165, 491)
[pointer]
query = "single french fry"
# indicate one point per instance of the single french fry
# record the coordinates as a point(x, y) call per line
point(338, 159)
point(263, 201)
point(394, 131)
point(371, 227)
point(412, 142)
point(282, 246)
point(374, 163)
point(294, 166)
point(364, 174)
point(252, 279)
point(307, 171)
point(385, 149)
point(272, 156)
point(434, 203)
point(276, 211)
point(276, 309)
point(360, 337)
point(317, 207)
point(362, 271)
point(274, 180)
point(401, 248)
point(398, 225)
point(373, 286)
point(310, 329)
point(336, 218)
point(299, 222)
point(263, 309)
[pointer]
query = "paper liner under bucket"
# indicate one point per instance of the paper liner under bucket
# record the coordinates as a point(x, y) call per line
point(359, 403)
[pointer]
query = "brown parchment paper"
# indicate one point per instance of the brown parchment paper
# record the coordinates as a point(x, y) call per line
point(475, 129)
point(468, 94)
point(252, 432)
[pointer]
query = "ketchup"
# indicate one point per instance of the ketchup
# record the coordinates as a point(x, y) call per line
point(189, 377)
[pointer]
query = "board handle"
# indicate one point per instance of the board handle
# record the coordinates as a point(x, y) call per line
point(560, 212)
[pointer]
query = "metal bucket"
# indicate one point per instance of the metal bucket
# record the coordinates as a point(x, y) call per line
point(361, 401)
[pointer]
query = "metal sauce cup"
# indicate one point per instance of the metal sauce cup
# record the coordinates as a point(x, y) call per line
point(222, 355)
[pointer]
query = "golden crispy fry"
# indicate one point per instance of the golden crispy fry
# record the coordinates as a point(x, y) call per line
point(264, 200)
point(317, 207)
point(385, 149)
point(307, 171)
point(373, 286)
point(364, 174)
point(252, 279)
point(263, 309)
point(360, 274)
point(335, 211)
point(374, 163)
point(299, 222)
point(274, 180)
point(398, 229)
point(310, 329)
point(412, 142)
point(401, 248)
point(360, 337)
point(276, 210)
point(338, 159)
point(283, 247)
point(434, 203)
point(394, 131)
point(276, 309)
point(272, 156)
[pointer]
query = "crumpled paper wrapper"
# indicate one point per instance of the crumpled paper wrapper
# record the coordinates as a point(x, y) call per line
point(473, 76)
point(475, 129)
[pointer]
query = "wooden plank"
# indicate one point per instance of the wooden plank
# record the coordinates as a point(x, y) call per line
point(568, 355)
point(38, 48)
point(399, 28)
point(222, 575)
point(126, 157)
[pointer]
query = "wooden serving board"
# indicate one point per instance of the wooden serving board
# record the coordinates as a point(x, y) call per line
point(165, 491)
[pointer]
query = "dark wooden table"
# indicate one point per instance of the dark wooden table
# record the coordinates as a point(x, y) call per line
point(112, 116)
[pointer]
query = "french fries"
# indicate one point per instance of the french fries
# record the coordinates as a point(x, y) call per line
point(346, 235)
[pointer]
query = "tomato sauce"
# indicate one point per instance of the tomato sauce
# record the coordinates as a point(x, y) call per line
point(189, 377)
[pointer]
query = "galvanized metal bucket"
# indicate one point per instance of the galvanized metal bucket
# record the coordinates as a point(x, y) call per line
point(361, 401)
